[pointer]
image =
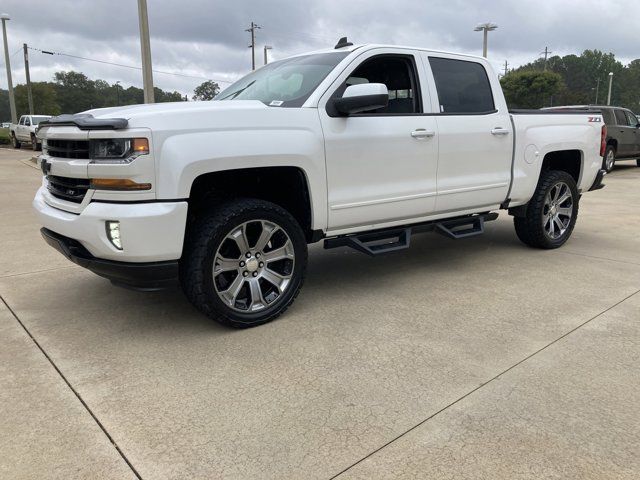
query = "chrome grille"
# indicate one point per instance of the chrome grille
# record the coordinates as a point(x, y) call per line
point(73, 149)
point(65, 188)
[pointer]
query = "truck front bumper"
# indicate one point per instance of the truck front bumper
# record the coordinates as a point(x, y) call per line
point(152, 236)
point(139, 276)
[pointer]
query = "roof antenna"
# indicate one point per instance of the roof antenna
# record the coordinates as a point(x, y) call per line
point(343, 42)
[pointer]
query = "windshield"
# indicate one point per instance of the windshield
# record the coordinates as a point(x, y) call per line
point(286, 83)
point(37, 120)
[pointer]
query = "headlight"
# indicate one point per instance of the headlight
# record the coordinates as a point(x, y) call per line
point(118, 150)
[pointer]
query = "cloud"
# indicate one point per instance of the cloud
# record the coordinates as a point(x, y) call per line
point(206, 39)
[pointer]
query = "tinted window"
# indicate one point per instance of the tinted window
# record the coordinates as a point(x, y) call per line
point(27, 121)
point(398, 74)
point(608, 116)
point(463, 87)
point(621, 118)
point(21, 122)
point(632, 120)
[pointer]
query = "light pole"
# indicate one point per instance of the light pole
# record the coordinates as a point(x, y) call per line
point(12, 100)
point(597, 90)
point(485, 28)
point(610, 82)
point(266, 47)
point(117, 85)
point(145, 46)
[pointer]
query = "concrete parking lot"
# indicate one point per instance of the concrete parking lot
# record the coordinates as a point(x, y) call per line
point(478, 358)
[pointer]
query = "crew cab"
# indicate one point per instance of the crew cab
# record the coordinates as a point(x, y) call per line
point(623, 133)
point(25, 130)
point(358, 146)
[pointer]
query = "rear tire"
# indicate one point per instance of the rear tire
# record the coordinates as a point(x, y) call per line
point(244, 262)
point(14, 141)
point(609, 159)
point(552, 212)
point(34, 143)
point(638, 162)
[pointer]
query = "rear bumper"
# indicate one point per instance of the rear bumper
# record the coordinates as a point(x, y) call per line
point(140, 276)
point(597, 183)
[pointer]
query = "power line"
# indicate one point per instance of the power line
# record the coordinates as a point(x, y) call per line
point(49, 52)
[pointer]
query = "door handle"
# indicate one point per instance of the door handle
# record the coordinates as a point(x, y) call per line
point(500, 131)
point(422, 133)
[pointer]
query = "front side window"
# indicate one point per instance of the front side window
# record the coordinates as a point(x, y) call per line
point(286, 83)
point(27, 122)
point(398, 73)
point(21, 122)
point(463, 87)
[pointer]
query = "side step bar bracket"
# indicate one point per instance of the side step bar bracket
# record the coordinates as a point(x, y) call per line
point(399, 238)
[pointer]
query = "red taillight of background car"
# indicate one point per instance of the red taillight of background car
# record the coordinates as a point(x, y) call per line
point(603, 140)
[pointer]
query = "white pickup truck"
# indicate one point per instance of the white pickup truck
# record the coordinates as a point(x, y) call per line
point(359, 146)
point(25, 130)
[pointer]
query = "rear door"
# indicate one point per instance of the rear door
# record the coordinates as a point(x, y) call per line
point(475, 135)
point(626, 134)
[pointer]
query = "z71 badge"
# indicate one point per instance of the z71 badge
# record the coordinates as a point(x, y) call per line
point(595, 119)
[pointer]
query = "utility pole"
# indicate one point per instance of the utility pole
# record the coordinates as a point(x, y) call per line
point(546, 55)
point(485, 28)
point(597, 90)
point(266, 47)
point(506, 67)
point(145, 47)
point(252, 30)
point(26, 73)
point(117, 85)
point(12, 100)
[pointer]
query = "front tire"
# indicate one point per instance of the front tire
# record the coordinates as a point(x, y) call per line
point(244, 262)
point(14, 141)
point(609, 159)
point(552, 212)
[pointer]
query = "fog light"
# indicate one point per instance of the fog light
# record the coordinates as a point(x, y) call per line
point(113, 233)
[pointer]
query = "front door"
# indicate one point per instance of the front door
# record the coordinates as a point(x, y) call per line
point(381, 165)
point(475, 136)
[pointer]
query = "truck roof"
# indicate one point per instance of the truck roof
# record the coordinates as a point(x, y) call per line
point(369, 46)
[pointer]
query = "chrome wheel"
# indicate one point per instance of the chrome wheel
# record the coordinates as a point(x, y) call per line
point(253, 266)
point(557, 211)
point(610, 160)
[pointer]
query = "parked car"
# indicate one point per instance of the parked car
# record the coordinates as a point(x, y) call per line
point(359, 146)
point(25, 130)
point(623, 133)
point(6, 124)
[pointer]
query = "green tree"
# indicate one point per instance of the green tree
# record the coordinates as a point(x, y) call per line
point(45, 101)
point(206, 90)
point(530, 89)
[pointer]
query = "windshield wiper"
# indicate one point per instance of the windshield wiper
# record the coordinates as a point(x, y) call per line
point(238, 92)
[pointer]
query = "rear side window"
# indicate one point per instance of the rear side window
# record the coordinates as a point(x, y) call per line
point(632, 119)
point(608, 116)
point(621, 118)
point(463, 87)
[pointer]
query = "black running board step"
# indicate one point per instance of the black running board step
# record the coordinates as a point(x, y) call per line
point(398, 238)
point(374, 243)
point(464, 227)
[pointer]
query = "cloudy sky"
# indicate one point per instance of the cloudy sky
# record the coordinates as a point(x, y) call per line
point(205, 39)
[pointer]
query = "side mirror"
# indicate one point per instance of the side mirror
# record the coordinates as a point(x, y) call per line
point(362, 98)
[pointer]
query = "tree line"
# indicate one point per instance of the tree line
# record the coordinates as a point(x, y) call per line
point(573, 80)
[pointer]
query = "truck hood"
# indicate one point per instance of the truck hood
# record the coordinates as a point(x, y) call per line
point(140, 115)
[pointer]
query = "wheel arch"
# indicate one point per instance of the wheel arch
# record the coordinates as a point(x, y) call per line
point(286, 186)
point(570, 161)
